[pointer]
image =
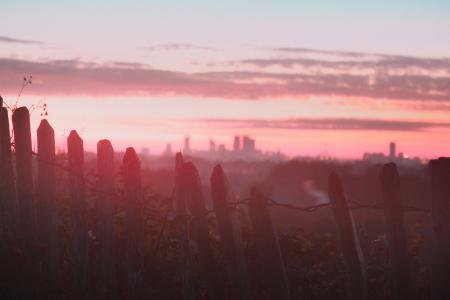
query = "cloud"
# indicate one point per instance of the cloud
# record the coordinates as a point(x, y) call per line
point(177, 47)
point(317, 51)
point(9, 40)
point(325, 124)
point(350, 54)
point(75, 77)
point(385, 64)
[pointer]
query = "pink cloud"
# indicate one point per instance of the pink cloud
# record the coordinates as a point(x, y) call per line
point(78, 78)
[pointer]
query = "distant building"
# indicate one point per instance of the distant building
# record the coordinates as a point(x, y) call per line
point(243, 148)
point(248, 146)
point(401, 158)
point(237, 144)
point(212, 146)
point(376, 158)
point(392, 151)
point(222, 150)
point(187, 146)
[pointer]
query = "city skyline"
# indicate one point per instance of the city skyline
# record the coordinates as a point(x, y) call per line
point(202, 143)
point(244, 148)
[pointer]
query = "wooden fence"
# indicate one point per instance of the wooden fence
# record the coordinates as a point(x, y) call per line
point(30, 217)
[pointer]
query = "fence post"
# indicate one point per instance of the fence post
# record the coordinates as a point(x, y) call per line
point(440, 187)
point(351, 249)
point(105, 210)
point(47, 218)
point(200, 228)
point(22, 139)
point(268, 247)
point(7, 180)
point(131, 171)
point(233, 252)
point(78, 214)
point(182, 232)
point(398, 249)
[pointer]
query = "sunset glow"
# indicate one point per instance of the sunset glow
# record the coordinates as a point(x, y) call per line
point(305, 81)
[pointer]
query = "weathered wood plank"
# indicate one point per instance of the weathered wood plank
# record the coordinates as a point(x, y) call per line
point(351, 249)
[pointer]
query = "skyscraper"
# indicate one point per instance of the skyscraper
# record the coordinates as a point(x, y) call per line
point(237, 144)
point(187, 146)
point(392, 150)
point(248, 145)
point(212, 146)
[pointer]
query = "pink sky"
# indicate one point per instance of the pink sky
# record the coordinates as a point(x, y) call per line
point(145, 75)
